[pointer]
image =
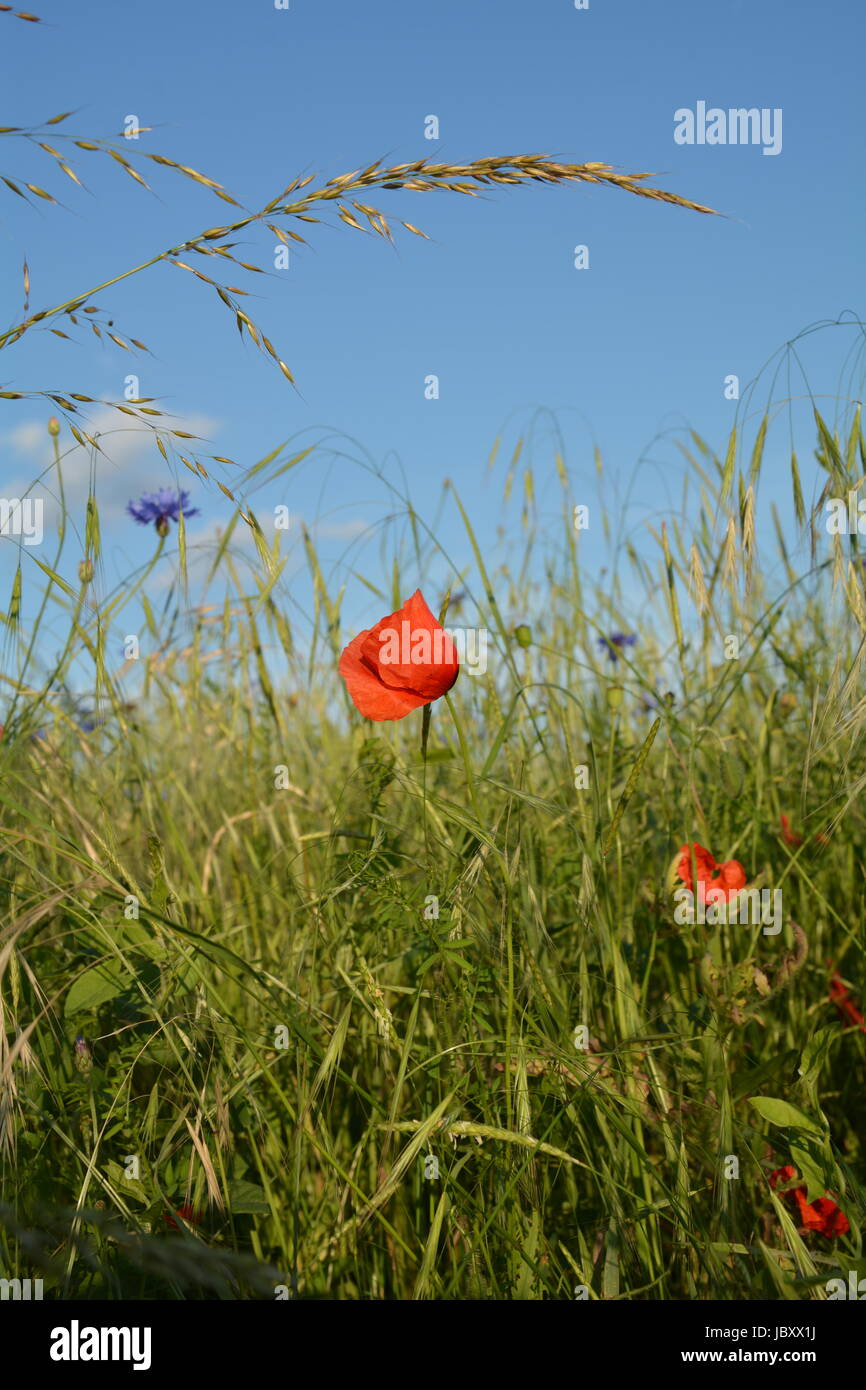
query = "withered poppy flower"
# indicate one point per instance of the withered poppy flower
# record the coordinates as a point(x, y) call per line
point(405, 661)
point(731, 879)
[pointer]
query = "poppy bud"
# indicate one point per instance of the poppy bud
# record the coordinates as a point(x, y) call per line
point(85, 571)
point(54, 426)
point(523, 635)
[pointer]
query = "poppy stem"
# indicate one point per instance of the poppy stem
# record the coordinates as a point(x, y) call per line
point(425, 734)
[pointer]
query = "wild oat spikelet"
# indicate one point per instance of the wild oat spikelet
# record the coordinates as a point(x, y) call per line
point(697, 584)
point(749, 537)
point(730, 558)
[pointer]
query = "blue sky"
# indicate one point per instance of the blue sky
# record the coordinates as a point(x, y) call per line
point(625, 352)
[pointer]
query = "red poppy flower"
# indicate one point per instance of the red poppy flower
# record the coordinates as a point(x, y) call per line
point(788, 835)
point(405, 661)
point(822, 1215)
point(731, 879)
point(845, 1006)
point(785, 1174)
point(187, 1212)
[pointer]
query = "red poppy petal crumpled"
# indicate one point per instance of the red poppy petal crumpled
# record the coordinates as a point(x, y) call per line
point(407, 660)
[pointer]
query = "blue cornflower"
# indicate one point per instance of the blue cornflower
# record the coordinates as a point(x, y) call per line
point(161, 508)
point(616, 640)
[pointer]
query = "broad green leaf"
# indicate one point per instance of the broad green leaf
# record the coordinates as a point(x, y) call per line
point(96, 986)
point(810, 1169)
point(247, 1199)
point(780, 1112)
point(814, 1059)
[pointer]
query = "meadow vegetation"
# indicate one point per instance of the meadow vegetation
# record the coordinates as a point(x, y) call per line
point(341, 1035)
point(295, 1003)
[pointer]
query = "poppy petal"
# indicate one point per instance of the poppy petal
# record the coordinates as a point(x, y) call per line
point(371, 697)
point(732, 876)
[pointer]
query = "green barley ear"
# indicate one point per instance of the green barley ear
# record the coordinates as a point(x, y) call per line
point(697, 582)
point(799, 505)
point(732, 774)
point(673, 602)
point(630, 786)
point(14, 613)
point(730, 464)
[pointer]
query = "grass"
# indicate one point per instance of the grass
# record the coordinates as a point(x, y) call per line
point(296, 1005)
point(329, 987)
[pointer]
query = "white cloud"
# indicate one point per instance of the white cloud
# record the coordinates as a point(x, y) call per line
point(129, 464)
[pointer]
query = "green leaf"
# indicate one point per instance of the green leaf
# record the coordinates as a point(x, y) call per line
point(438, 755)
point(131, 1187)
point(52, 574)
point(744, 1083)
point(814, 1058)
point(96, 986)
point(810, 1170)
point(779, 1112)
point(247, 1198)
